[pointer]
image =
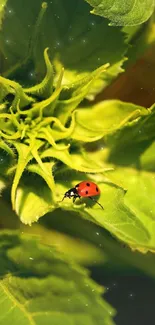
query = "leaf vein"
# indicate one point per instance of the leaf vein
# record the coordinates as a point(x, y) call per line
point(16, 303)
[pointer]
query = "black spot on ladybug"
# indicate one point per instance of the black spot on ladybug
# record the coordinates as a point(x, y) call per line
point(88, 184)
point(86, 192)
point(77, 186)
point(96, 189)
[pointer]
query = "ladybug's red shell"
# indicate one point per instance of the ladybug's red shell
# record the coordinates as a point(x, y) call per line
point(87, 188)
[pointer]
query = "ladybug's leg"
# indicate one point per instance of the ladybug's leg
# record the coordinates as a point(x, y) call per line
point(76, 197)
point(96, 202)
point(62, 199)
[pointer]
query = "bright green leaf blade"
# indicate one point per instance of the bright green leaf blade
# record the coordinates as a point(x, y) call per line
point(128, 13)
point(33, 198)
point(75, 38)
point(103, 118)
point(74, 161)
point(38, 286)
point(45, 88)
point(24, 157)
point(136, 131)
point(76, 92)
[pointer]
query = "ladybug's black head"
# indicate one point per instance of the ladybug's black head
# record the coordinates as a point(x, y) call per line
point(71, 193)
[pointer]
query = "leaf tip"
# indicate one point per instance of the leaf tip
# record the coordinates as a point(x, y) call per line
point(44, 5)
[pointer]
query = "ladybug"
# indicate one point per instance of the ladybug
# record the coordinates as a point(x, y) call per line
point(83, 189)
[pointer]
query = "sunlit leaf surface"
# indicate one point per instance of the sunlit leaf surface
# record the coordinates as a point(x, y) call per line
point(123, 13)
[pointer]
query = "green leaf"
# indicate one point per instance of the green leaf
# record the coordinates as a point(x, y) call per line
point(40, 286)
point(136, 131)
point(75, 38)
point(128, 13)
point(104, 118)
point(74, 160)
point(138, 209)
point(25, 154)
point(33, 198)
point(75, 93)
point(45, 88)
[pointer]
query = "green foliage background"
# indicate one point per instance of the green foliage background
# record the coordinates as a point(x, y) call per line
point(56, 58)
